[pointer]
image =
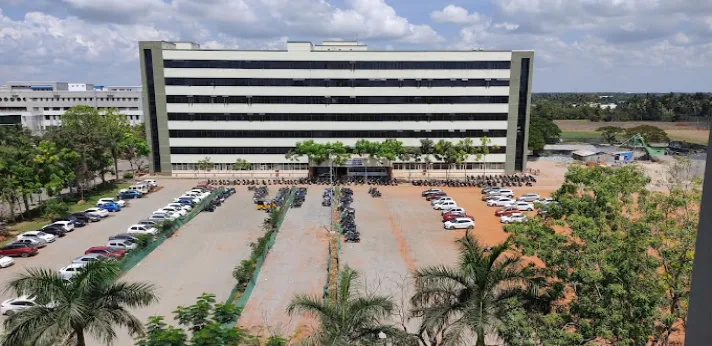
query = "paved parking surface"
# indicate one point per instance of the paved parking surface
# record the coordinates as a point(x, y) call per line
point(62, 251)
point(199, 258)
point(296, 264)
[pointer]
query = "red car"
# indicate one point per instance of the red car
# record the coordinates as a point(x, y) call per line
point(453, 213)
point(22, 250)
point(454, 216)
point(106, 251)
point(435, 196)
point(506, 211)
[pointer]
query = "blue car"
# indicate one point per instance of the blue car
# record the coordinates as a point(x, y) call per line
point(129, 194)
point(185, 201)
point(111, 207)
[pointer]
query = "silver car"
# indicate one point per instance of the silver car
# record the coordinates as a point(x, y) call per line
point(38, 243)
point(91, 257)
point(529, 197)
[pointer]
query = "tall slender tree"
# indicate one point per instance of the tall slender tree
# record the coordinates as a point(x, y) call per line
point(427, 151)
point(114, 128)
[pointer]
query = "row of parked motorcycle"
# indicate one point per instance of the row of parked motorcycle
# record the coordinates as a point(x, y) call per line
point(326, 197)
point(374, 192)
point(379, 181)
point(219, 199)
point(347, 217)
point(506, 180)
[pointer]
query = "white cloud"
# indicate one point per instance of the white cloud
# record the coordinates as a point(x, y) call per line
point(456, 15)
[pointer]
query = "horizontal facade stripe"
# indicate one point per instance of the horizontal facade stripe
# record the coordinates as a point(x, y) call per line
point(290, 117)
point(336, 74)
point(335, 125)
point(330, 83)
point(279, 158)
point(338, 65)
point(335, 134)
point(257, 150)
point(338, 99)
point(221, 91)
point(335, 108)
point(369, 55)
point(290, 142)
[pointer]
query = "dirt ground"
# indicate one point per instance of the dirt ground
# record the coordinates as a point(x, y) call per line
point(687, 131)
point(296, 264)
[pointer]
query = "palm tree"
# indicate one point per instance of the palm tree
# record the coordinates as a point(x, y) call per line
point(347, 319)
point(427, 149)
point(466, 302)
point(91, 302)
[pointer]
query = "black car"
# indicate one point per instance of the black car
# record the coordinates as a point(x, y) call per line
point(76, 221)
point(85, 217)
point(54, 230)
point(124, 236)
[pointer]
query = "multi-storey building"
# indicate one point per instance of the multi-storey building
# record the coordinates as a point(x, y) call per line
point(38, 105)
point(256, 105)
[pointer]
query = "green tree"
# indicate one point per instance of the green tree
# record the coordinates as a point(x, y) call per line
point(610, 133)
point(484, 150)
point(542, 130)
point(603, 257)
point(241, 164)
point(82, 132)
point(205, 164)
point(349, 319)
point(133, 148)
point(90, 302)
point(427, 151)
point(651, 134)
point(54, 166)
point(467, 148)
point(114, 128)
point(447, 153)
point(17, 171)
point(55, 208)
point(207, 323)
point(368, 149)
point(457, 304)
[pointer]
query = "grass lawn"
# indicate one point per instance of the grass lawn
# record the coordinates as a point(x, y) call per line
point(580, 134)
point(90, 200)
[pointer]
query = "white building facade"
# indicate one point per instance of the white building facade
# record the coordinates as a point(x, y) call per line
point(39, 105)
point(227, 105)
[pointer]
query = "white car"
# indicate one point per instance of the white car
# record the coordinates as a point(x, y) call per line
point(168, 215)
point(151, 182)
point(98, 212)
point(524, 206)
point(456, 210)
point(516, 217)
point(529, 197)
point(121, 244)
point(502, 202)
point(142, 229)
point(506, 193)
point(201, 192)
point(460, 223)
point(101, 201)
point(69, 271)
point(179, 205)
point(67, 226)
point(14, 305)
point(6, 261)
point(447, 205)
point(180, 211)
point(158, 218)
point(49, 238)
point(546, 201)
point(91, 257)
point(441, 199)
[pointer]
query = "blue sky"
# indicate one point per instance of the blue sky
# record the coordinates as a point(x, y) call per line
point(580, 45)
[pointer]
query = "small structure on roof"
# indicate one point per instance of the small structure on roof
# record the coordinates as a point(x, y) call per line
point(592, 156)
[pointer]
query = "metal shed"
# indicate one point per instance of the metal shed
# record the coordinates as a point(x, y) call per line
point(592, 156)
point(625, 156)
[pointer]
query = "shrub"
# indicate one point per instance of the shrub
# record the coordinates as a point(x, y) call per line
point(54, 208)
point(128, 175)
point(243, 272)
point(144, 239)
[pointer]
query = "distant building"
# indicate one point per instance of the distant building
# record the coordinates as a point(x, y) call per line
point(39, 105)
point(592, 156)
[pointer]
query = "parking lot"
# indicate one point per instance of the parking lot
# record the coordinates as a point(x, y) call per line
point(199, 257)
point(296, 264)
point(62, 251)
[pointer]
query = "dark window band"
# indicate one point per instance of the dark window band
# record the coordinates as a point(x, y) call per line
point(335, 117)
point(338, 99)
point(352, 83)
point(340, 65)
point(259, 150)
point(152, 117)
point(334, 134)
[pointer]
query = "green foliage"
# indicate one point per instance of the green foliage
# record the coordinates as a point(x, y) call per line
point(611, 257)
point(610, 133)
point(542, 130)
point(474, 297)
point(241, 164)
point(244, 271)
point(55, 208)
point(320, 152)
point(144, 240)
point(348, 319)
point(651, 134)
point(205, 164)
point(91, 302)
point(115, 127)
point(133, 147)
point(206, 322)
point(128, 175)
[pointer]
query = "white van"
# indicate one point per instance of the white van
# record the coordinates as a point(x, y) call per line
point(121, 244)
point(143, 189)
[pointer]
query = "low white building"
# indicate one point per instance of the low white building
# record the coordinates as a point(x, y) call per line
point(39, 105)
